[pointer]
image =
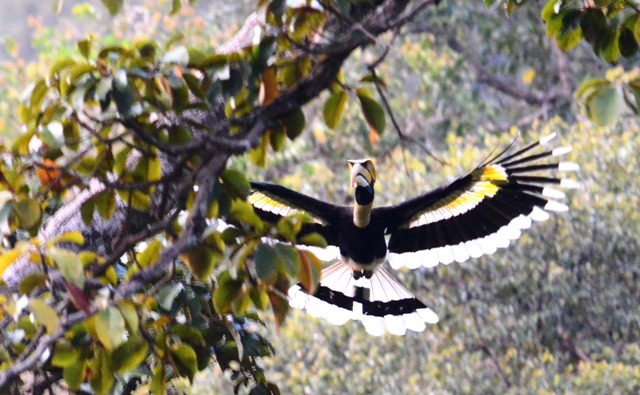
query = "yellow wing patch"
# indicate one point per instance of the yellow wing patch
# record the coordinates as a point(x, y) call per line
point(267, 203)
point(485, 183)
point(491, 173)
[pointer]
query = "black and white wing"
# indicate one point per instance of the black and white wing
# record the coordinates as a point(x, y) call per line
point(480, 212)
point(272, 202)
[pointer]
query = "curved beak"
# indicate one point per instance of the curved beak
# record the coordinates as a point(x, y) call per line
point(362, 174)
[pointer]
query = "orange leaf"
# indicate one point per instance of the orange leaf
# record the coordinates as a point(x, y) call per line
point(310, 268)
point(279, 304)
point(374, 137)
point(177, 71)
point(49, 174)
point(269, 86)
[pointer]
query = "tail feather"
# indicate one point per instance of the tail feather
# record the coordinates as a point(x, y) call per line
point(381, 302)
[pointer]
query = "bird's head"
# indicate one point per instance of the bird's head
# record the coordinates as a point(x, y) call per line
point(363, 178)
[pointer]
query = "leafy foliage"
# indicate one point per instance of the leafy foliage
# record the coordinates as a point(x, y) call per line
point(134, 146)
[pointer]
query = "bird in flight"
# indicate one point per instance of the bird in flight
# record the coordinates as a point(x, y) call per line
point(472, 216)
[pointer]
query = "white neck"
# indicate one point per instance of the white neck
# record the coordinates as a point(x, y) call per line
point(362, 215)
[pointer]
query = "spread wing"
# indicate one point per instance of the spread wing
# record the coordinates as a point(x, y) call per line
point(272, 202)
point(480, 212)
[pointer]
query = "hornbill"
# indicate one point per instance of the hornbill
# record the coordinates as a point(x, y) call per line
point(472, 216)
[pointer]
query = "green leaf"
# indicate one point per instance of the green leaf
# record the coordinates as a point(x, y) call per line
point(7, 258)
point(334, 108)
point(105, 203)
point(65, 354)
point(73, 374)
point(258, 155)
point(30, 282)
point(139, 200)
point(588, 87)
point(289, 226)
point(158, 385)
point(627, 43)
point(594, 28)
point(294, 123)
point(225, 293)
point(45, 315)
point(86, 166)
point(611, 49)
point(195, 85)
point(552, 19)
point(86, 211)
point(120, 163)
point(313, 239)
point(150, 255)
point(123, 95)
point(52, 135)
point(110, 328)
point(242, 211)
point(71, 236)
point(57, 67)
point(570, 32)
point(175, 7)
point(84, 46)
point(277, 138)
point(185, 360)
point(233, 84)
point(373, 112)
point(203, 60)
point(571, 21)
point(129, 355)
point(102, 377)
point(604, 106)
point(278, 7)
point(154, 168)
point(260, 298)
point(70, 266)
point(201, 260)
point(267, 260)
point(569, 40)
point(130, 315)
point(168, 294)
point(179, 93)
point(259, 390)
point(188, 334)
point(235, 183)
point(289, 258)
point(113, 6)
point(29, 213)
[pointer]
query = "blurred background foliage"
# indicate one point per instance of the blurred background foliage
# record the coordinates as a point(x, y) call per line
point(556, 312)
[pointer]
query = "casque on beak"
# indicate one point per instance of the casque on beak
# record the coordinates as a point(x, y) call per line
point(363, 173)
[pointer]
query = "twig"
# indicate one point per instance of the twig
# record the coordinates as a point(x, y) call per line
point(628, 101)
point(481, 342)
point(396, 126)
point(632, 5)
point(483, 346)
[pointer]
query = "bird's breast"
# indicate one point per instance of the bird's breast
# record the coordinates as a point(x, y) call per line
point(363, 248)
